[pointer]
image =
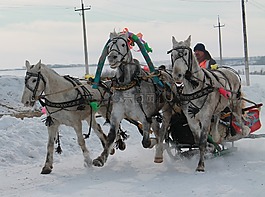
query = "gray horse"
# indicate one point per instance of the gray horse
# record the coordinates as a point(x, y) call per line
point(136, 97)
point(205, 95)
point(67, 102)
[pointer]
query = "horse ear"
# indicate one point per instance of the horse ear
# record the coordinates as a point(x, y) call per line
point(174, 42)
point(27, 64)
point(111, 35)
point(38, 65)
point(188, 41)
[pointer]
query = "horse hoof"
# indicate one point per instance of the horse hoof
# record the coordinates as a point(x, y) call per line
point(158, 160)
point(112, 152)
point(46, 170)
point(200, 169)
point(146, 144)
point(153, 141)
point(88, 163)
point(122, 146)
point(98, 162)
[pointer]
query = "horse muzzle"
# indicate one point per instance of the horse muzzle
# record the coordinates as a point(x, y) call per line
point(114, 64)
point(30, 102)
point(178, 83)
point(178, 80)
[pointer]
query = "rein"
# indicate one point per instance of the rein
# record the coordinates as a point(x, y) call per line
point(59, 92)
point(62, 105)
point(84, 98)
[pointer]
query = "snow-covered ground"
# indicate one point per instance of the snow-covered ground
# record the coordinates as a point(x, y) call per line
point(127, 173)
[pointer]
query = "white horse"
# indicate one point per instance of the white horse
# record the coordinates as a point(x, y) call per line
point(136, 97)
point(67, 102)
point(205, 94)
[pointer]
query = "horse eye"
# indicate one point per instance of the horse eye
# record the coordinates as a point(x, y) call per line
point(123, 45)
point(34, 80)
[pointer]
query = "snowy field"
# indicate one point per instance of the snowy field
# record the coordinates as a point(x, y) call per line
point(128, 173)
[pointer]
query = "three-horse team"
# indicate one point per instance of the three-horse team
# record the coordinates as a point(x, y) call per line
point(148, 99)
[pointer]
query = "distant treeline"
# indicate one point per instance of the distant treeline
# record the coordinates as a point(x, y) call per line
point(260, 72)
point(258, 60)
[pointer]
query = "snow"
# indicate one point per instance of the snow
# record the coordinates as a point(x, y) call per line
point(127, 173)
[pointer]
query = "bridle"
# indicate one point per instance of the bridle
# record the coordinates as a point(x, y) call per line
point(35, 89)
point(113, 46)
point(181, 54)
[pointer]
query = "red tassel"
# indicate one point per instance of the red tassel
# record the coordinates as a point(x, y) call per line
point(224, 92)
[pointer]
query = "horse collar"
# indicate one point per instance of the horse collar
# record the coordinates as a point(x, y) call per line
point(125, 87)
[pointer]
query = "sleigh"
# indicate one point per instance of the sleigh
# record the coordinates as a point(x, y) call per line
point(180, 141)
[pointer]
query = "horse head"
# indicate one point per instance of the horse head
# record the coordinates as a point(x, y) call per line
point(181, 59)
point(34, 84)
point(118, 49)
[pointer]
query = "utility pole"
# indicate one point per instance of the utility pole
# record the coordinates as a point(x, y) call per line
point(245, 43)
point(84, 34)
point(220, 40)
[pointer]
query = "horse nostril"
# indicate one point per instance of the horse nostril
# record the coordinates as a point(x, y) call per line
point(115, 57)
point(179, 75)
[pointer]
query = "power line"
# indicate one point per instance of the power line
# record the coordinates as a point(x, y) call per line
point(257, 5)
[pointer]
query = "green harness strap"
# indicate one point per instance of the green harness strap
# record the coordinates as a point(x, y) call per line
point(100, 65)
point(147, 58)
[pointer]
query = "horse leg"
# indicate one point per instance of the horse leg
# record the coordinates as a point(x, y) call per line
point(99, 132)
point(52, 132)
point(155, 127)
point(121, 136)
point(161, 136)
point(146, 142)
point(202, 147)
point(82, 144)
point(101, 160)
point(215, 129)
point(200, 132)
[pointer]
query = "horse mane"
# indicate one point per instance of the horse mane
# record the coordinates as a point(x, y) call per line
point(45, 68)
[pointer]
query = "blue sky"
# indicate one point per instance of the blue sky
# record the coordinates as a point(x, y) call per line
point(52, 31)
